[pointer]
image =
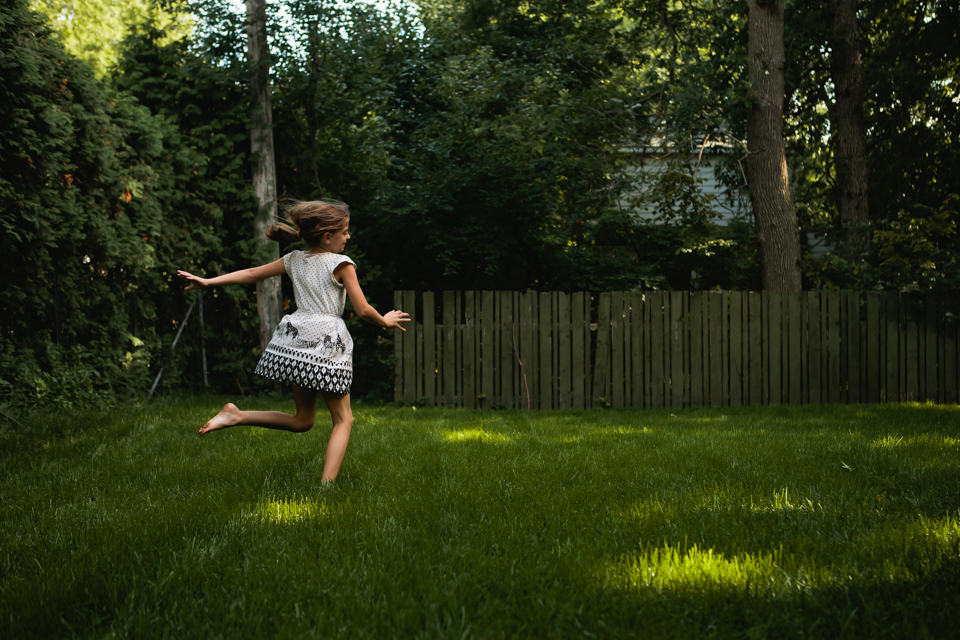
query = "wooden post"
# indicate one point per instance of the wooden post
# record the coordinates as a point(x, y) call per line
point(601, 373)
point(470, 368)
point(696, 349)
point(795, 334)
point(637, 381)
point(487, 364)
point(657, 373)
point(508, 359)
point(565, 371)
point(449, 348)
point(756, 347)
point(398, 352)
point(892, 347)
point(677, 348)
point(931, 390)
point(616, 349)
point(580, 336)
point(853, 355)
point(815, 349)
point(429, 349)
point(775, 332)
point(410, 349)
point(736, 348)
point(716, 300)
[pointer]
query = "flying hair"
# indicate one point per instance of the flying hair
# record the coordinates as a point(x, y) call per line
point(309, 220)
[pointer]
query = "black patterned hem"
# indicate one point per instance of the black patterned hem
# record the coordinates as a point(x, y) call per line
point(312, 376)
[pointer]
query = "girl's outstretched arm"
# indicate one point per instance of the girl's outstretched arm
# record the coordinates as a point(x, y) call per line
point(348, 275)
point(243, 276)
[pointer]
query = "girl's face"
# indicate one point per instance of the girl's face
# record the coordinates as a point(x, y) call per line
point(336, 241)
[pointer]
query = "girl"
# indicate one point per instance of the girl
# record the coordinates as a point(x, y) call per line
point(310, 348)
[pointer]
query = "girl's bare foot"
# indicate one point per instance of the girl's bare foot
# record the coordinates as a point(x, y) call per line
point(228, 417)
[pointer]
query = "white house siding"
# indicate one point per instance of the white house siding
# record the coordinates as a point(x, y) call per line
point(652, 164)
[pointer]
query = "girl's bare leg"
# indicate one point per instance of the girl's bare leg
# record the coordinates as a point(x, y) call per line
point(342, 416)
point(302, 420)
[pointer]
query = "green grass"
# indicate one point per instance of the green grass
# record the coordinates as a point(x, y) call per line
point(747, 522)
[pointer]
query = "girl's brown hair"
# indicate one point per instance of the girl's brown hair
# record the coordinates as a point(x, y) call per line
point(313, 219)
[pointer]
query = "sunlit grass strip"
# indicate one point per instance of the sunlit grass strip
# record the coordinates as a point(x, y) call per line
point(289, 511)
point(892, 554)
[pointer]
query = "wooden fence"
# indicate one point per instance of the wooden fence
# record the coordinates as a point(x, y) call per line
point(484, 349)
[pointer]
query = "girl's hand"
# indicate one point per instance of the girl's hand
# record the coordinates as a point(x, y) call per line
point(394, 318)
point(195, 281)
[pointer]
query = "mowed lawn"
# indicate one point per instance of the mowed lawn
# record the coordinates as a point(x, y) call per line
point(748, 522)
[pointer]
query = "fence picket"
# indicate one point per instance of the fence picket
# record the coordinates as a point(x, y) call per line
point(616, 353)
point(398, 352)
point(429, 349)
point(951, 331)
point(715, 365)
point(736, 348)
point(546, 353)
point(773, 358)
point(565, 361)
point(756, 349)
point(601, 367)
point(487, 365)
point(449, 349)
point(656, 313)
point(852, 355)
point(794, 362)
point(814, 349)
point(579, 371)
point(507, 357)
point(931, 391)
point(626, 347)
point(677, 347)
point(891, 347)
point(833, 347)
point(873, 347)
point(469, 350)
point(696, 349)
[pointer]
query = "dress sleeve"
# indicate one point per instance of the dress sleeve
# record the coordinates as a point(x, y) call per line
point(336, 263)
point(289, 260)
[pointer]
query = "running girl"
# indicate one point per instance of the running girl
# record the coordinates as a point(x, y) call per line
point(311, 348)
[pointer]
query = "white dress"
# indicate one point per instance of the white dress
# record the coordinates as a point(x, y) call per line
point(311, 347)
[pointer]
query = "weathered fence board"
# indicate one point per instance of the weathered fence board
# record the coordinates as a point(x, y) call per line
point(675, 349)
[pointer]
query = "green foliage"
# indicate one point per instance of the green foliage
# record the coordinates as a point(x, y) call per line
point(80, 187)
point(917, 251)
point(797, 521)
point(93, 30)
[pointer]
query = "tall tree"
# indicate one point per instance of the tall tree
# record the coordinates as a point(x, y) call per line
point(848, 122)
point(766, 164)
point(264, 169)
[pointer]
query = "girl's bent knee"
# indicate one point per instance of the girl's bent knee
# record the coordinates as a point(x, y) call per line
point(302, 426)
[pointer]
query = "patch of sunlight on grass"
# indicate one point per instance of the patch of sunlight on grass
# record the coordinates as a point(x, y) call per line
point(695, 569)
point(891, 441)
point(720, 418)
point(462, 435)
point(620, 431)
point(290, 511)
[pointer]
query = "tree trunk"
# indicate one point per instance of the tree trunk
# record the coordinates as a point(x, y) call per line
point(850, 157)
point(766, 165)
point(264, 170)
